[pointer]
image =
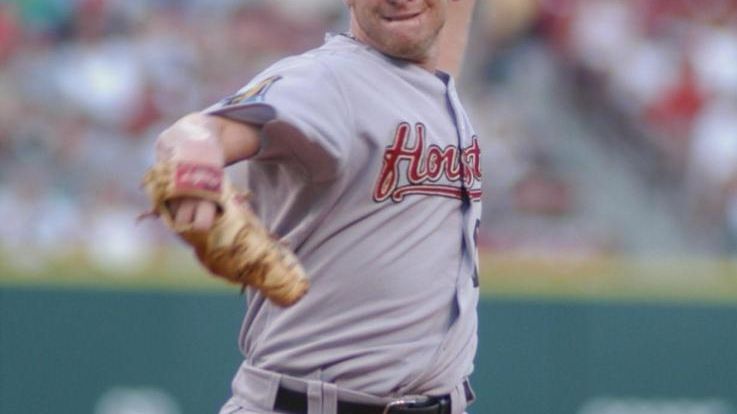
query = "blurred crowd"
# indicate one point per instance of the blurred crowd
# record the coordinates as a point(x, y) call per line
point(657, 80)
point(86, 85)
point(669, 68)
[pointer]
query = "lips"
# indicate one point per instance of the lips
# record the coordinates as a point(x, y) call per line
point(402, 17)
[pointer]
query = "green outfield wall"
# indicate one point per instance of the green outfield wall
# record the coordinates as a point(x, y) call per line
point(75, 347)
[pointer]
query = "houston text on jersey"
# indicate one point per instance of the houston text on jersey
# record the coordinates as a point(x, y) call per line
point(429, 170)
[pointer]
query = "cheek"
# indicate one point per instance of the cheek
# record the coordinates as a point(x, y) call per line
point(438, 20)
point(372, 23)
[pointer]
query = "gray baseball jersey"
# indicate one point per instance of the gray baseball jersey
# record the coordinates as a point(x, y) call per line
point(369, 169)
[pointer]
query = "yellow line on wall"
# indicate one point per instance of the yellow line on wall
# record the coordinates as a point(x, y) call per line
point(693, 279)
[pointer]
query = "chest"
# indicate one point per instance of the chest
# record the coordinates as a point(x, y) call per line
point(420, 140)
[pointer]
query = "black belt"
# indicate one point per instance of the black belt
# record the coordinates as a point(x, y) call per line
point(295, 402)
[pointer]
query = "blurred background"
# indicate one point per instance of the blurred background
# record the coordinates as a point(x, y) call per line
point(609, 133)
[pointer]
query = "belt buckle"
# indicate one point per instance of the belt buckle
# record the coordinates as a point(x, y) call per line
point(407, 402)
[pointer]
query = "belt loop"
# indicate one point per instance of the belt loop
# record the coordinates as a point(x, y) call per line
point(460, 397)
point(314, 397)
point(329, 398)
point(470, 395)
point(254, 387)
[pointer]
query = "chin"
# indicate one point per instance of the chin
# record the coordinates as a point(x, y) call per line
point(415, 50)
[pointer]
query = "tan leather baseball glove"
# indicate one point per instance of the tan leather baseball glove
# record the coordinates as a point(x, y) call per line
point(237, 247)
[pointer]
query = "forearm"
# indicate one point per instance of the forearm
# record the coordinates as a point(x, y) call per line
point(454, 37)
point(239, 140)
point(208, 139)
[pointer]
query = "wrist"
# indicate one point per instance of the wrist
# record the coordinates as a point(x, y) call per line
point(192, 139)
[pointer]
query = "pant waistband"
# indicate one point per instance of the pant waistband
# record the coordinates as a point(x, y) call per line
point(295, 402)
point(258, 389)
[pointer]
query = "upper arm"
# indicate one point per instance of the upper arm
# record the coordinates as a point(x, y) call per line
point(294, 111)
point(454, 36)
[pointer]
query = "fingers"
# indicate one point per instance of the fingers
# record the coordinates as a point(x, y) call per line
point(184, 213)
point(194, 213)
point(204, 216)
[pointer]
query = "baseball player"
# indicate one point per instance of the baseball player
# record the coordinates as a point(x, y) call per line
point(362, 160)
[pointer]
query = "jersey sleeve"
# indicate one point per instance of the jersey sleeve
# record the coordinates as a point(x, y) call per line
point(303, 114)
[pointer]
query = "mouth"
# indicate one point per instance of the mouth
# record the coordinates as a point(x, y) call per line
point(401, 17)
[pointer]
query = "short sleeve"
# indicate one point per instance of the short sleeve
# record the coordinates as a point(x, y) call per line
point(303, 113)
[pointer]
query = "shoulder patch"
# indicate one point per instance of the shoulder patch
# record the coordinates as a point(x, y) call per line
point(255, 93)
